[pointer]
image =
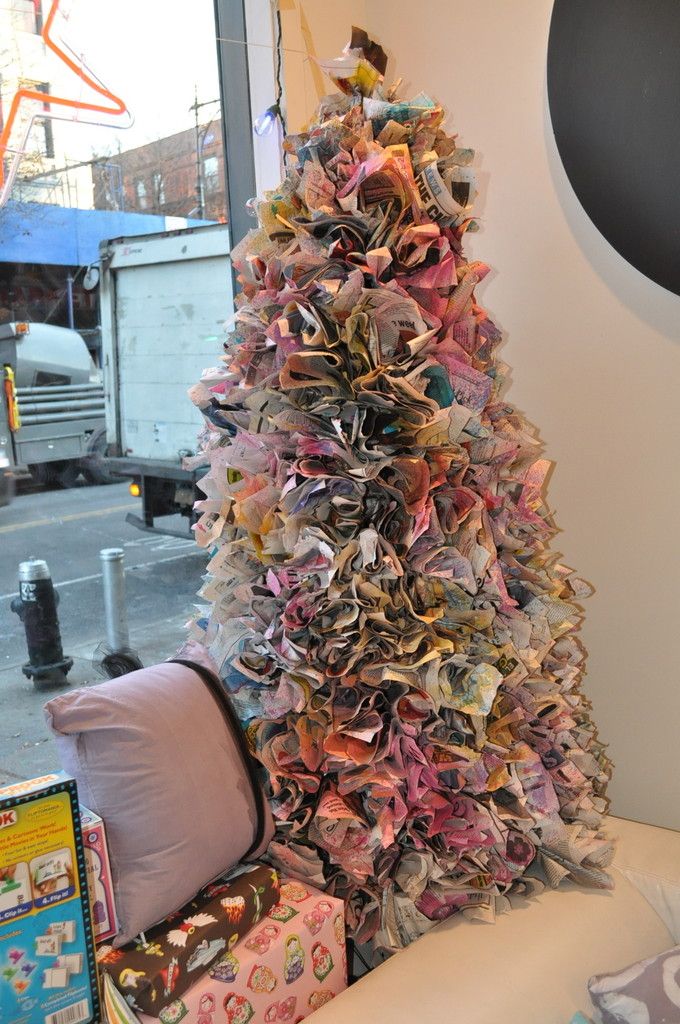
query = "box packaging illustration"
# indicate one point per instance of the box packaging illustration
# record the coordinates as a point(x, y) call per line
point(47, 964)
point(157, 969)
point(98, 875)
point(289, 965)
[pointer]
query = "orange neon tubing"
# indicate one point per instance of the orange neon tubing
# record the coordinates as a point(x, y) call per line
point(116, 108)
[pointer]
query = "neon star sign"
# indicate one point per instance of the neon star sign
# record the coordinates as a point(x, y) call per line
point(103, 102)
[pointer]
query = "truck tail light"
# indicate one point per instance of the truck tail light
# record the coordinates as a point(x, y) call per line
point(135, 490)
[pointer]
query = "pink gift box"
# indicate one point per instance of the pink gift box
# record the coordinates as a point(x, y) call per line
point(288, 965)
point(99, 880)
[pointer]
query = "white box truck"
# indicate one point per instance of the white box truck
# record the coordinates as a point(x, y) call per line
point(164, 300)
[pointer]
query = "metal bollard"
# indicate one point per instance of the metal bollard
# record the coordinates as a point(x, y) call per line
point(117, 659)
point(117, 632)
point(36, 606)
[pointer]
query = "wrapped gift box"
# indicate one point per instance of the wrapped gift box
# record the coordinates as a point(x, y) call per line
point(98, 875)
point(48, 973)
point(166, 961)
point(292, 963)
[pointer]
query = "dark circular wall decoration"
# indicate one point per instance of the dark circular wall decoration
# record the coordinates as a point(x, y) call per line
point(614, 94)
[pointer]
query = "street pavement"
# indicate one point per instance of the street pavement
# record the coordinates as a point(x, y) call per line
point(68, 528)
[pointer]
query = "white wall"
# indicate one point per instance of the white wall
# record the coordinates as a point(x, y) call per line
point(594, 349)
point(313, 29)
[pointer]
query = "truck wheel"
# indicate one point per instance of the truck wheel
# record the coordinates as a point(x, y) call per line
point(62, 473)
point(41, 473)
point(93, 465)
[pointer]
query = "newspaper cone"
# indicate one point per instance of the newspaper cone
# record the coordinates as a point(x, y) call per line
point(396, 635)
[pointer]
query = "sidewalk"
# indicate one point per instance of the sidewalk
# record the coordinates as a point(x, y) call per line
point(26, 747)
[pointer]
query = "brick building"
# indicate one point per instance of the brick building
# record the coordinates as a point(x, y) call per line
point(165, 176)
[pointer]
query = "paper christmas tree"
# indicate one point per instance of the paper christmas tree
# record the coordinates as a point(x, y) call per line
point(395, 632)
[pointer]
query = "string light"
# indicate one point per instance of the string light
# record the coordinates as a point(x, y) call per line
point(265, 122)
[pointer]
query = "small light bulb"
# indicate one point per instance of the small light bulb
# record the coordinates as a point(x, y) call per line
point(266, 121)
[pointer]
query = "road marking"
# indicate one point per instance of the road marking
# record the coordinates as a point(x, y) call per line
point(67, 518)
point(156, 543)
point(128, 568)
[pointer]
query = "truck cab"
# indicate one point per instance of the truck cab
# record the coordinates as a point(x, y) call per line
point(52, 405)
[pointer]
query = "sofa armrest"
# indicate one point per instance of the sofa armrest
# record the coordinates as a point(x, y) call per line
point(646, 848)
point(534, 963)
point(649, 857)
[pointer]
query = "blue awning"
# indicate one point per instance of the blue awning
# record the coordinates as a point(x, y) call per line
point(38, 233)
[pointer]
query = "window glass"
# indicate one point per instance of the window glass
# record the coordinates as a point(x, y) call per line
point(73, 184)
point(135, 50)
point(158, 190)
point(25, 15)
point(159, 166)
point(211, 172)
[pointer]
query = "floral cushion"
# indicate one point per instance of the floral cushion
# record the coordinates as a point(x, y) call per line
point(647, 992)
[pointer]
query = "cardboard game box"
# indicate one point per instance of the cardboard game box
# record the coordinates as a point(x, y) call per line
point(286, 967)
point(47, 963)
point(98, 875)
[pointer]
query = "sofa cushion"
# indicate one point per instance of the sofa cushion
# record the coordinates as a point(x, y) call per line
point(153, 755)
point(647, 992)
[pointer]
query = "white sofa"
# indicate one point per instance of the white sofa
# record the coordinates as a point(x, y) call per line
point(532, 965)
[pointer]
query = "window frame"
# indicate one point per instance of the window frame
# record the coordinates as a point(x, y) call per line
point(237, 119)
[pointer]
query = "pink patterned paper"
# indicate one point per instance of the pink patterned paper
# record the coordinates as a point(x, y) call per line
point(288, 965)
point(99, 879)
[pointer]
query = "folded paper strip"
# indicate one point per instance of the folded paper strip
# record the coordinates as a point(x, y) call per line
point(396, 634)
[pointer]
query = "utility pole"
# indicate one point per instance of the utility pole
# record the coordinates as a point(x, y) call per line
point(200, 197)
point(69, 300)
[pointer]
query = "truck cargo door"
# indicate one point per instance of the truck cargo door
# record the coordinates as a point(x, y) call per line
point(169, 319)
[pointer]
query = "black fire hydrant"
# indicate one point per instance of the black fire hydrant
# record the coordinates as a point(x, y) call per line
point(36, 606)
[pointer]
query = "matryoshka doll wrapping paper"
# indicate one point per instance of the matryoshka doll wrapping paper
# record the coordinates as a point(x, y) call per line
point(288, 965)
point(152, 973)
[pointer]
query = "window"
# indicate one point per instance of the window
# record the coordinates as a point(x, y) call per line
point(211, 173)
point(158, 189)
point(47, 139)
point(119, 177)
point(26, 15)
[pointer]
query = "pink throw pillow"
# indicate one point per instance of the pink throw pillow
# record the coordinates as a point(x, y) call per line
point(165, 765)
